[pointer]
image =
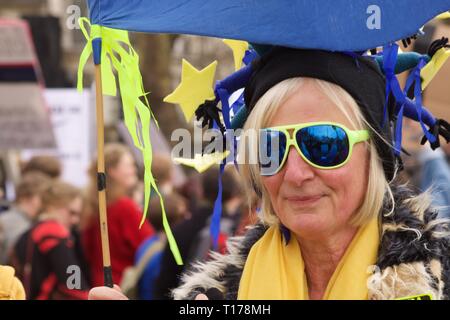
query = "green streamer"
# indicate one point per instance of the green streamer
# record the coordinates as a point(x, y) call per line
point(118, 53)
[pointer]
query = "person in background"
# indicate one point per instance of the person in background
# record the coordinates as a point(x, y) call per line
point(187, 232)
point(162, 169)
point(176, 211)
point(446, 149)
point(192, 189)
point(427, 169)
point(435, 175)
point(138, 192)
point(48, 165)
point(232, 206)
point(249, 215)
point(124, 215)
point(20, 216)
point(44, 256)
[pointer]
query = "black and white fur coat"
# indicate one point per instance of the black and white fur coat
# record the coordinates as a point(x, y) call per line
point(413, 256)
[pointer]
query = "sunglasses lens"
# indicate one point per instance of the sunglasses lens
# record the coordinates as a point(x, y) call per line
point(272, 147)
point(323, 145)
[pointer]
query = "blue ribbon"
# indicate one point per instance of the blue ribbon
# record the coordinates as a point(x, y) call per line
point(222, 90)
point(238, 104)
point(412, 109)
point(411, 112)
point(249, 56)
point(399, 114)
point(224, 96)
point(398, 131)
point(232, 83)
point(390, 52)
point(97, 50)
point(418, 100)
point(217, 213)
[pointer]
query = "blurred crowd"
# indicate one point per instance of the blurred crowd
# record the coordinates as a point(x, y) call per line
point(51, 233)
point(52, 228)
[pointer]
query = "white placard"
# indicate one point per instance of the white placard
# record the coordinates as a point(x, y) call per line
point(71, 119)
point(24, 117)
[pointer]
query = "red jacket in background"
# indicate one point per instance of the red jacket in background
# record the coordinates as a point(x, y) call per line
point(125, 237)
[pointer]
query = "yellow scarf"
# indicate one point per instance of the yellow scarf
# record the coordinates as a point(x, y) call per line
point(276, 271)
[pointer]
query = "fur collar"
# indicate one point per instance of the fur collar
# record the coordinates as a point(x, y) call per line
point(413, 257)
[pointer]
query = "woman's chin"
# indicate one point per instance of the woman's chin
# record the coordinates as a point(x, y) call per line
point(130, 184)
point(308, 225)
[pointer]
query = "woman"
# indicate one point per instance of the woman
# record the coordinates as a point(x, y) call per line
point(334, 223)
point(46, 254)
point(333, 226)
point(124, 215)
point(20, 217)
point(176, 212)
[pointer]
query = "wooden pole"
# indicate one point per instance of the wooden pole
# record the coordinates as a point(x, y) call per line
point(101, 178)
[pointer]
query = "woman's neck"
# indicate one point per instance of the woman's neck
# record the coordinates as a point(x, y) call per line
point(27, 208)
point(321, 257)
point(115, 191)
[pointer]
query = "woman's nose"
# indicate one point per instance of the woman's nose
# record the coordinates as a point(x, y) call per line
point(297, 170)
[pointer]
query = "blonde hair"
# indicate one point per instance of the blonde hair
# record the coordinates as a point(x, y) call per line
point(59, 194)
point(263, 112)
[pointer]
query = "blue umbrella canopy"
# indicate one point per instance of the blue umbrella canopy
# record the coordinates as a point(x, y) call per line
point(336, 25)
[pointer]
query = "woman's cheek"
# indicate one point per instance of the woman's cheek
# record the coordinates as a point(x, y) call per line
point(272, 185)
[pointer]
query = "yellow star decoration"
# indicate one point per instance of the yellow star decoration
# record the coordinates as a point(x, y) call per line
point(195, 87)
point(202, 163)
point(239, 48)
point(443, 16)
point(431, 69)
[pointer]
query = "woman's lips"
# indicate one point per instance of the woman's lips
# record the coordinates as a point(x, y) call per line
point(305, 200)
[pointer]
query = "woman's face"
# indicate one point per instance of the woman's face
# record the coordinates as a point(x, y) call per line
point(315, 203)
point(124, 173)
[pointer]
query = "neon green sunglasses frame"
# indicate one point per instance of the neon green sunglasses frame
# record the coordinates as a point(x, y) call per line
point(353, 136)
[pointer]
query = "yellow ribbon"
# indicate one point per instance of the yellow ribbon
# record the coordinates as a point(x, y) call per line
point(117, 52)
